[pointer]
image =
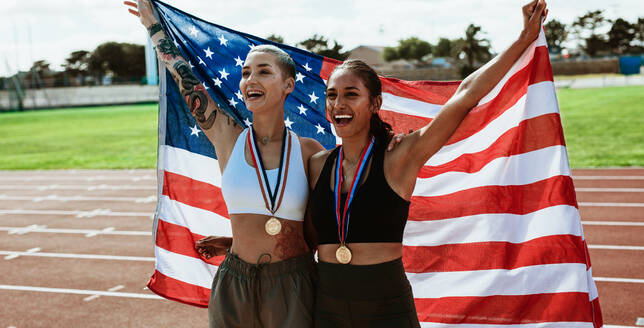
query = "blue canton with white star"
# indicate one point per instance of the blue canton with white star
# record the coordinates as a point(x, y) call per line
point(216, 55)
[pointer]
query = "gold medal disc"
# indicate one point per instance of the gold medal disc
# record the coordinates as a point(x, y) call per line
point(273, 226)
point(343, 254)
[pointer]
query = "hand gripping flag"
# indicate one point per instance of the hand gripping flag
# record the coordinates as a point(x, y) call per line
point(494, 237)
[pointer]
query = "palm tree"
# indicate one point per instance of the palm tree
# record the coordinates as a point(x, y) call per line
point(476, 49)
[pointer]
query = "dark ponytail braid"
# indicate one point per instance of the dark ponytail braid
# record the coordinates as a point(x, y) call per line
point(379, 128)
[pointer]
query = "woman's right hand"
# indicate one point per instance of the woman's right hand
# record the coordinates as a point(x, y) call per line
point(142, 10)
point(213, 246)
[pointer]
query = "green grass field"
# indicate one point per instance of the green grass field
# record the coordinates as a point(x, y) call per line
point(603, 128)
point(93, 137)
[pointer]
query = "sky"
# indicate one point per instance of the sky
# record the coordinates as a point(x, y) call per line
point(32, 30)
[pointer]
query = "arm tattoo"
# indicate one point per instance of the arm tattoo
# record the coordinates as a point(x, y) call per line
point(167, 49)
point(154, 28)
point(195, 95)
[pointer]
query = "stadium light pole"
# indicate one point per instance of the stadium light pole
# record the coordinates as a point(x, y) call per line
point(151, 68)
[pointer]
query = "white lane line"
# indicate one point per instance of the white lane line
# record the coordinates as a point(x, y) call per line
point(13, 255)
point(613, 223)
point(81, 256)
point(78, 214)
point(91, 297)
point(76, 187)
point(609, 189)
point(627, 280)
point(623, 248)
point(608, 177)
point(147, 199)
point(69, 178)
point(27, 229)
point(640, 321)
point(86, 232)
point(95, 296)
point(614, 326)
point(78, 291)
point(611, 204)
point(96, 233)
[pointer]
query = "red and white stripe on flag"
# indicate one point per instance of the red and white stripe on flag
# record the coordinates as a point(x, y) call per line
point(494, 237)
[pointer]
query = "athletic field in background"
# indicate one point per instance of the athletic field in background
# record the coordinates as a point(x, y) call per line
point(77, 249)
point(603, 128)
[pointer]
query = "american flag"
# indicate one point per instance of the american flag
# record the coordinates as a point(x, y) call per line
point(494, 237)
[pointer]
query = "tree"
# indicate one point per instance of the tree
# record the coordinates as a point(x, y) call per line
point(639, 31)
point(443, 48)
point(476, 49)
point(620, 36)
point(556, 35)
point(77, 63)
point(585, 28)
point(320, 45)
point(123, 60)
point(39, 70)
point(411, 48)
point(275, 38)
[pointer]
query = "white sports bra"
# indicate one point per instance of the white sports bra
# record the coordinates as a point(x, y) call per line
point(241, 189)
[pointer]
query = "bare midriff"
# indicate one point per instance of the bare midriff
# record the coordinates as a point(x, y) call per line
point(362, 253)
point(250, 239)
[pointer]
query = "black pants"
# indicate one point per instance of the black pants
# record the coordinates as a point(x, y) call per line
point(376, 295)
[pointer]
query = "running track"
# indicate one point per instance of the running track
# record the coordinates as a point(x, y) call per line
point(76, 248)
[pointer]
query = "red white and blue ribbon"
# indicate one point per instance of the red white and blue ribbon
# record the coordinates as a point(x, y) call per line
point(259, 167)
point(343, 220)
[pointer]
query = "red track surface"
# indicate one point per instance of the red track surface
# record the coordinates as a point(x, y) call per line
point(621, 301)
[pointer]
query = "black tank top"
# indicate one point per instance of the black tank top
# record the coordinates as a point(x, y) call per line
point(378, 214)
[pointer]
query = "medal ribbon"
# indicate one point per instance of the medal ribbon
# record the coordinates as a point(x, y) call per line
point(343, 220)
point(264, 184)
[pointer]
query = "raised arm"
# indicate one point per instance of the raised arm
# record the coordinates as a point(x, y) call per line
point(220, 128)
point(425, 142)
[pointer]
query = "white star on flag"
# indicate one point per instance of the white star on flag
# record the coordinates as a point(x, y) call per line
point(191, 66)
point(307, 68)
point(176, 44)
point(248, 122)
point(299, 77)
point(252, 46)
point(217, 82)
point(193, 31)
point(320, 129)
point(239, 95)
point(232, 102)
point(239, 62)
point(208, 53)
point(194, 131)
point(288, 122)
point(314, 98)
point(222, 40)
point(201, 61)
point(205, 86)
point(223, 73)
point(302, 109)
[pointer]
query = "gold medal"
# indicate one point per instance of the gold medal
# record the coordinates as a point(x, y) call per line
point(273, 226)
point(343, 254)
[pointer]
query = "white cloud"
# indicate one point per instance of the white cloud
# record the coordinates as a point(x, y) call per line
point(62, 26)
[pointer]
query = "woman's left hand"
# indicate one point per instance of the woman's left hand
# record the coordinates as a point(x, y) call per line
point(395, 140)
point(532, 15)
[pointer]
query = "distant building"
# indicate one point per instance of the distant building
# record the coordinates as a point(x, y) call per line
point(411, 70)
point(372, 55)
